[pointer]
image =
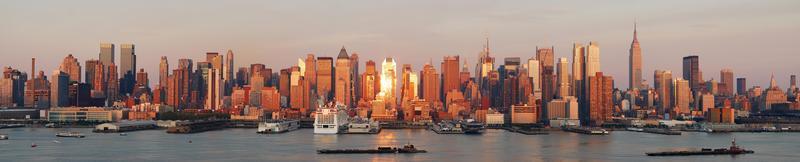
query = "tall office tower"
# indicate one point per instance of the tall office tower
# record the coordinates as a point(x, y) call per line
point(106, 53)
point(793, 81)
point(90, 72)
point(343, 79)
point(578, 66)
point(59, 89)
point(99, 80)
point(214, 90)
point(142, 79)
point(200, 81)
point(599, 93)
point(127, 68)
point(691, 72)
point(741, 86)
point(545, 57)
point(284, 86)
point(772, 95)
point(72, 67)
point(325, 78)
point(12, 88)
point(563, 78)
point(662, 81)
point(534, 71)
point(388, 82)
point(592, 59)
point(430, 84)
point(310, 83)
point(450, 74)
point(683, 96)
point(228, 76)
point(370, 85)
point(635, 64)
point(112, 84)
point(261, 70)
point(297, 95)
point(726, 82)
point(355, 92)
point(163, 72)
point(181, 84)
point(407, 92)
point(484, 65)
point(243, 77)
point(311, 71)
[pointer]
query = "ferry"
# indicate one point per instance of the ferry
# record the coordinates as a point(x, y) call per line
point(472, 127)
point(361, 126)
point(732, 150)
point(408, 148)
point(330, 120)
point(70, 134)
point(278, 126)
point(3, 137)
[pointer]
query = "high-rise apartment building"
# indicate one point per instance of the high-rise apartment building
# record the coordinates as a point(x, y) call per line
point(563, 80)
point(662, 81)
point(726, 82)
point(343, 80)
point(72, 67)
point(599, 101)
point(450, 74)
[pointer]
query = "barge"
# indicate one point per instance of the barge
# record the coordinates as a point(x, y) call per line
point(732, 150)
point(406, 149)
point(70, 134)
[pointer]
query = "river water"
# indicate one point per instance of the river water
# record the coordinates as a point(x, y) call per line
point(301, 145)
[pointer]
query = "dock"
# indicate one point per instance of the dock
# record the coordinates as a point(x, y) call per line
point(661, 131)
point(526, 131)
point(197, 126)
point(3, 126)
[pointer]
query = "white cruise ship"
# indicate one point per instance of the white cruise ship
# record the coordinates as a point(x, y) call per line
point(330, 120)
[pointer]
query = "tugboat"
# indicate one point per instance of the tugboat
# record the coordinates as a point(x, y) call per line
point(70, 134)
point(732, 150)
point(406, 149)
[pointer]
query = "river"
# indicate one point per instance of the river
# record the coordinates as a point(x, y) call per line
point(301, 145)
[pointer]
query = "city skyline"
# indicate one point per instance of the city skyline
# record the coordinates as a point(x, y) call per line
point(613, 33)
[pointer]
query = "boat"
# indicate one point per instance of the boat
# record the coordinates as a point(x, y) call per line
point(330, 120)
point(362, 126)
point(278, 126)
point(472, 127)
point(70, 134)
point(123, 134)
point(406, 149)
point(3, 137)
point(34, 145)
point(635, 129)
point(732, 150)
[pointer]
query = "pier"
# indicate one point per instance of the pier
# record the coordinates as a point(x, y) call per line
point(589, 131)
point(197, 126)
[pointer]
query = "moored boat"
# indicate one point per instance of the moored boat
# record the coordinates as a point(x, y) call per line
point(408, 148)
point(3, 137)
point(278, 126)
point(70, 134)
point(732, 150)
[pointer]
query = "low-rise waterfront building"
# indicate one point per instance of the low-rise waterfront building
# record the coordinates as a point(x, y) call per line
point(95, 114)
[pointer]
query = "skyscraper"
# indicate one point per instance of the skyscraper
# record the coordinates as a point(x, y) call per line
point(410, 85)
point(127, 68)
point(106, 53)
point(726, 82)
point(59, 89)
point(662, 81)
point(325, 77)
point(592, 59)
point(228, 73)
point(163, 72)
point(370, 85)
point(450, 74)
point(72, 67)
point(635, 64)
point(599, 101)
point(563, 80)
point(213, 93)
point(388, 82)
point(683, 95)
point(343, 80)
point(741, 86)
point(355, 91)
point(430, 84)
point(534, 71)
point(578, 67)
point(691, 72)
point(545, 57)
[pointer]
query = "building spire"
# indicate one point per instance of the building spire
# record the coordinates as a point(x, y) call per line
point(635, 37)
point(772, 83)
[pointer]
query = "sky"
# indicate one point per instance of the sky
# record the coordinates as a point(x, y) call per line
point(753, 38)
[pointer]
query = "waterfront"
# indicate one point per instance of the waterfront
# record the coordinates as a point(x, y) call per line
point(301, 145)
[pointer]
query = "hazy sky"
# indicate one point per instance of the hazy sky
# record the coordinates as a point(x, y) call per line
point(754, 38)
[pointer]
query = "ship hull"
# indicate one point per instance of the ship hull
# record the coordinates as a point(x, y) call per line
point(689, 153)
